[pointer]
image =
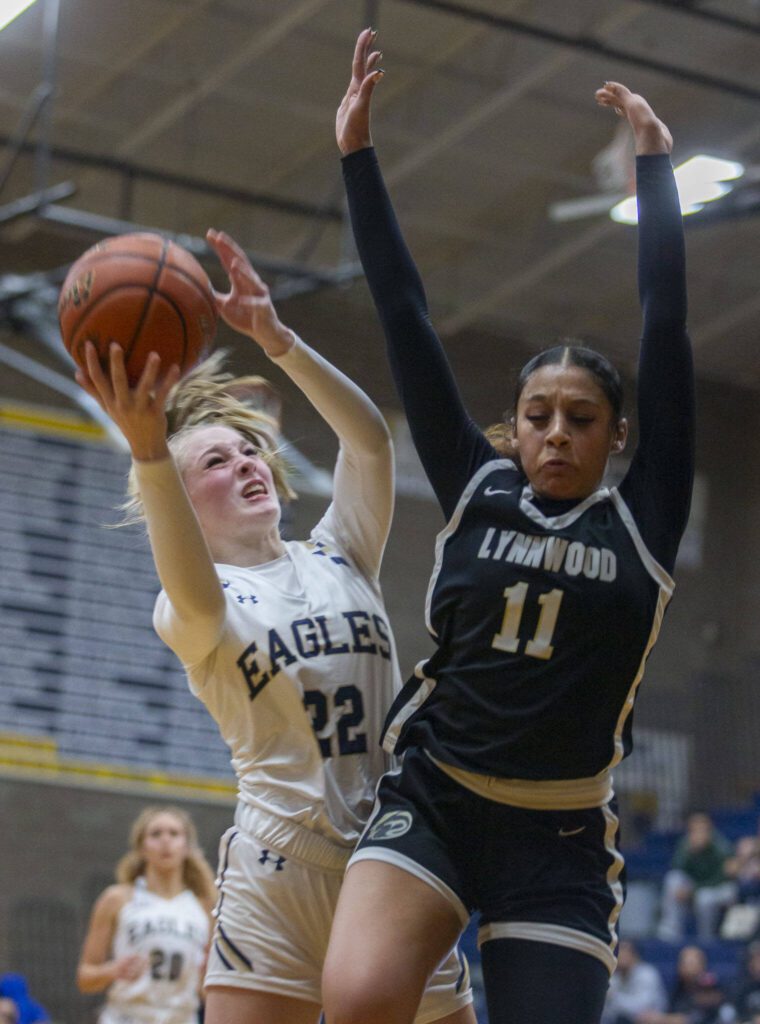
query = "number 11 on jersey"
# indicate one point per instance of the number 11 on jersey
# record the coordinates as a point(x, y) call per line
point(507, 639)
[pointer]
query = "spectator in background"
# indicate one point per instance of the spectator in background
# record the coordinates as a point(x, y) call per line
point(14, 988)
point(744, 869)
point(697, 997)
point(635, 988)
point(747, 993)
point(696, 882)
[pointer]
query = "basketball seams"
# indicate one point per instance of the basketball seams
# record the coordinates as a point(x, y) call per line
point(91, 264)
point(76, 341)
point(104, 255)
point(201, 288)
point(143, 291)
point(160, 263)
point(182, 319)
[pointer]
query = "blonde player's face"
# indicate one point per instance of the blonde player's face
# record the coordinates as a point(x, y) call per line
point(564, 432)
point(164, 844)
point(229, 484)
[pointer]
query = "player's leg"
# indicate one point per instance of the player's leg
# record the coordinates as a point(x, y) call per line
point(271, 931)
point(542, 983)
point(391, 931)
point(551, 887)
point(243, 1006)
point(448, 995)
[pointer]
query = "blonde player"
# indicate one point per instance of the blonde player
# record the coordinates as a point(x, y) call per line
point(148, 934)
point(286, 643)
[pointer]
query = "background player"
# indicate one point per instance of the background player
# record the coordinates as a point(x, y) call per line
point(148, 935)
point(546, 597)
point(286, 643)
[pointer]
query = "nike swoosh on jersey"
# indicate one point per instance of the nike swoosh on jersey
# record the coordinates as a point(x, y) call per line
point(564, 832)
point(489, 491)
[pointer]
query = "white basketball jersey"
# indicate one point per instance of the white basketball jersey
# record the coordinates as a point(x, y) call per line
point(300, 683)
point(172, 934)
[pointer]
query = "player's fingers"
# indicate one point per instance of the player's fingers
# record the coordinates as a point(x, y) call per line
point(86, 384)
point(95, 370)
point(226, 244)
point(222, 251)
point(373, 60)
point(248, 276)
point(368, 87)
point(224, 248)
point(220, 299)
point(118, 369)
point(167, 382)
point(145, 387)
point(617, 88)
point(360, 55)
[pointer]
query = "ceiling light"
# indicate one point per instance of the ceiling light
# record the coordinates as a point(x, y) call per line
point(700, 180)
point(10, 9)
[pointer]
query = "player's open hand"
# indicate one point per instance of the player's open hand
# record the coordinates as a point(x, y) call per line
point(650, 135)
point(139, 411)
point(248, 306)
point(352, 129)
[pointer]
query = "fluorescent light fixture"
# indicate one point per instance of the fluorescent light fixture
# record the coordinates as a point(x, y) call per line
point(10, 9)
point(700, 180)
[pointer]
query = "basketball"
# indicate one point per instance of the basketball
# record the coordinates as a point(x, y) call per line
point(143, 291)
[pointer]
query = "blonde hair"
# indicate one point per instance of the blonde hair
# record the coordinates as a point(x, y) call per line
point(209, 396)
point(196, 870)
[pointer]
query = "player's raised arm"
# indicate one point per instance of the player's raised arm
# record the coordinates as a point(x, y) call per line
point(363, 486)
point(658, 485)
point(183, 561)
point(448, 442)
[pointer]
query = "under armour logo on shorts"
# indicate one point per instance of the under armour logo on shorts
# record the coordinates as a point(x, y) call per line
point(276, 860)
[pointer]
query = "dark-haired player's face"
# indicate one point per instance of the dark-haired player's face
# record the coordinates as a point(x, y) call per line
point(565, 432)
point(229, 484)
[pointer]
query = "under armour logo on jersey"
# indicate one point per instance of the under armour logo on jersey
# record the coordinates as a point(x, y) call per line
point(242, 598)
point(266, 859)
point(391, 826)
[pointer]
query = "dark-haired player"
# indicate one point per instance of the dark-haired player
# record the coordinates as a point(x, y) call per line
point(546, 597)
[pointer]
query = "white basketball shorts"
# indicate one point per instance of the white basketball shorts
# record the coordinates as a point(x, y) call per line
point(273, 921)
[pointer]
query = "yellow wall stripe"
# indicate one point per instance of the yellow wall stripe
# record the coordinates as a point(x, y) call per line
point(37, 759)
point(53, 422)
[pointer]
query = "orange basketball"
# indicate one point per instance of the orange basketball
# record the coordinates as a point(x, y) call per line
point(144, 292)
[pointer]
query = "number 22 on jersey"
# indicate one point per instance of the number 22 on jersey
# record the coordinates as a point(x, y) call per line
point(508, 639)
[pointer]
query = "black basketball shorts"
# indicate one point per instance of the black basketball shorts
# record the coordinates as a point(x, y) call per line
point(548, 876)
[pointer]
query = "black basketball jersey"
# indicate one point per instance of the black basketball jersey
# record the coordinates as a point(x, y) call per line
point(543, 612)
point(543, 625)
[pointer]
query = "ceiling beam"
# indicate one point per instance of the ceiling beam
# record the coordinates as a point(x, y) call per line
point(588, 44)
point(716, 17)
point(160, 30)
point(534, 273)
point(507, 96)
point(390, 91)
point(98, 225)
point(140, 172)
point(259, 42)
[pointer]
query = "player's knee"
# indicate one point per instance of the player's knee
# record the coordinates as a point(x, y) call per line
point(362, 997)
